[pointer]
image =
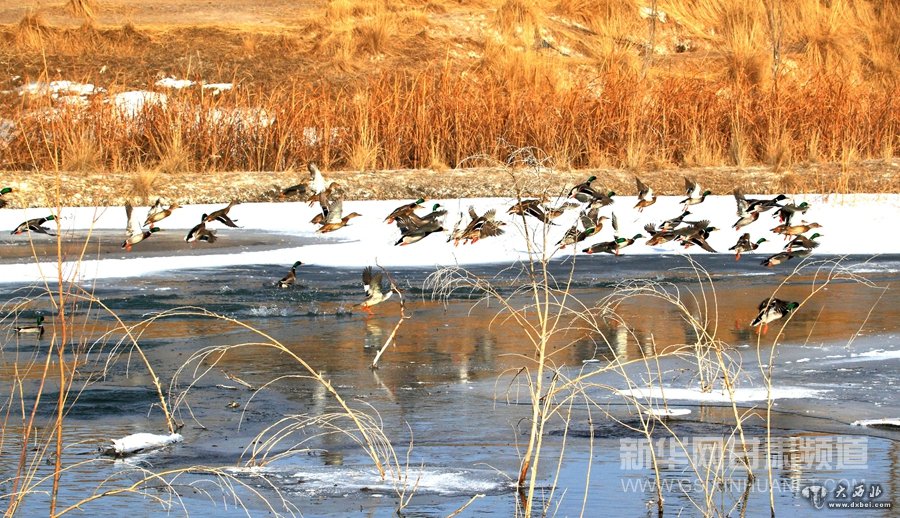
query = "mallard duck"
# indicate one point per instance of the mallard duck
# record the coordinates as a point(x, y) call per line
point(802, 241)
point(404, 210)
point(699, 239)
point(133, 233)
point(327, 197)
point(601, 200)
point(746, 205)
point(646, 197)
point(37, 328)
point(583, 192)
point(608, 247)
point(590, 222)
point(335, 218)
point(745, 245)
point(612, 247)
point(671, 224)
point(157, 213)
point(624, 243)
point(221, 216)
point(5, 190)
point(200, 232)
point(786, 212)
point(375, 291)
point(775, 260)
point(480, 227)
point(658, 237)
point(746, 213)
point(412, 220)
point(288, 280)
point(697, 234)
point(34, 225)
point(695, 195)
point(772, 309)
point(795, 230)
point(315, 184)
point(538, 209)
point(415, 233)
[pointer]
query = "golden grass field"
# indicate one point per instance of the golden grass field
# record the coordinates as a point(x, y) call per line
point(357, 85)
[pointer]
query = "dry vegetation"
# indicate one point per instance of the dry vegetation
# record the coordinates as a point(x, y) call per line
point(392, 85)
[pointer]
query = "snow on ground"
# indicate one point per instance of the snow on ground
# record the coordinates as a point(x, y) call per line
point(741, 395)
point(367, 239)
point(668, 412)
point(869, 423)
point(142, 442)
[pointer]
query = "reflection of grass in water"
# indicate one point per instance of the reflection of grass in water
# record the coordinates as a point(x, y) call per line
point(551, 311)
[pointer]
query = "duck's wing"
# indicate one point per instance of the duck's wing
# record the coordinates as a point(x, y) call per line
point(376, 290)
point(615, 224)
point(742, 205)
point(335, 211)
point(367, 279)
point(690, 187)
point(131, 227)
point(491, 228)
point(472, 213)
point(644, 192)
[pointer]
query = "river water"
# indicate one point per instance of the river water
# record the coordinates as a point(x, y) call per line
point(451, 392)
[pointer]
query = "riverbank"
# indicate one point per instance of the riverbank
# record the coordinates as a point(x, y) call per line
point(48, 188)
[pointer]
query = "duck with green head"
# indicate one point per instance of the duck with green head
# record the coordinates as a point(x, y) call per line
point(404, 210)
point(288, 280)
point(5, 190)
point(775, 260)
point(802, 241)
point(34, 225)
point(744, 244)
point(134, 234)
point(772, 309)
point(612, 247)
point(37, 328)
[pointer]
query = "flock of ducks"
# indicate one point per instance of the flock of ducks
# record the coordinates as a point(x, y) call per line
point(585, 197)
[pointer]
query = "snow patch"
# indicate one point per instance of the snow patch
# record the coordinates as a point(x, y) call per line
point(141, 442)
point(891, 423)
point(667, 412)
point(175, 84)
point(741, 395)
point(131, 104)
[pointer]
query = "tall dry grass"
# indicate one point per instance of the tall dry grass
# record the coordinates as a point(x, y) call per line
point(399, 120)
point(770, 83)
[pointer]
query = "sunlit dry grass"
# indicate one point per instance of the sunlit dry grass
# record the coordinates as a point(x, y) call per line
point(750, 84)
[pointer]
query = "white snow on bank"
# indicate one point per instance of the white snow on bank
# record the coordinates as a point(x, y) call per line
point(143, 442)
point(368, 239)
point(868, 423)
point(667, 412)
point(58, 88)
point(176, 84)
point(741, 395)
point(131, 104)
